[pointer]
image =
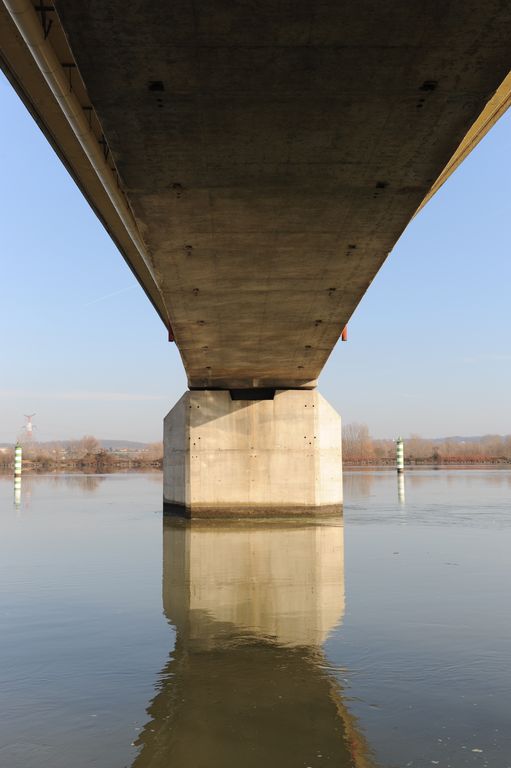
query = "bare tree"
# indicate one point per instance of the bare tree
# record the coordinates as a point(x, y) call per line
point(88, 444)
point(356, 442)
point(418, 448)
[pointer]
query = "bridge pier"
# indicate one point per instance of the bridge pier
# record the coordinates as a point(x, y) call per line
point(277, 454)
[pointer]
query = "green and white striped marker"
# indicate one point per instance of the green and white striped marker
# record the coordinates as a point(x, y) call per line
point(400, 455)
point(17, 475)
point(17, 459)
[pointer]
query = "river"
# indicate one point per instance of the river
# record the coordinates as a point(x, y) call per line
point(379, 640)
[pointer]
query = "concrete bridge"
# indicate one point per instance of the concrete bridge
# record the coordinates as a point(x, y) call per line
point(255, 163)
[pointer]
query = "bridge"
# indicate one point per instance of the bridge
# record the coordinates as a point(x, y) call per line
point(255, 164)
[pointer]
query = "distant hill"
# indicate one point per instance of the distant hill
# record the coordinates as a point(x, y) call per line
point(108, 445)
point(135, 445)
point(460, 439)
point(117, 445)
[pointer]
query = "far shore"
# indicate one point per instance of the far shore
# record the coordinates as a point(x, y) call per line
point(85, 467)
point(32, 468)
point(427, 463)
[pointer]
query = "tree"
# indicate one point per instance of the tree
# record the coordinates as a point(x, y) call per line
point(78, 449)
point(418, 448)
point(356, 442)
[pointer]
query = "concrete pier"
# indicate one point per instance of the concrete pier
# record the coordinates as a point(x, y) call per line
point(277, 454)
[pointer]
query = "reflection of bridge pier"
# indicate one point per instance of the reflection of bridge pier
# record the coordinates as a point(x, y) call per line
point(247, 683)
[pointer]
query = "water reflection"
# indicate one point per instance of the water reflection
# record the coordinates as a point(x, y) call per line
point(358, 484)
point(17, 491)
point(248, 683)
point(88, 483)
point(401, 487)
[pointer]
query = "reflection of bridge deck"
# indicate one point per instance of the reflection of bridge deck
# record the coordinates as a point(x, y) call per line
point(247, 683)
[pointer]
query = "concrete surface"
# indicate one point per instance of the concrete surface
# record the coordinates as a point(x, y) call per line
point(271, 153)
point(270, 457)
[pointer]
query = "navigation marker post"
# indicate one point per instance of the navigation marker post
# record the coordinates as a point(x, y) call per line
point(400, 455)
point(18, 456)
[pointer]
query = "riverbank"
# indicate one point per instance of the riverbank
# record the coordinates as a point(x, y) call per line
point(101, 465)
point(454, 461)
point(101, 468)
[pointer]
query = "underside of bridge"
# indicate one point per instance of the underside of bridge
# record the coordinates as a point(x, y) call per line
point(256, 162)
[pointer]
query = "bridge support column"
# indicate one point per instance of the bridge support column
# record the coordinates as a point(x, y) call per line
point(230, 457)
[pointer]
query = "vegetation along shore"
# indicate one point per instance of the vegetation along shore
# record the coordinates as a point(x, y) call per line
point(359, 449)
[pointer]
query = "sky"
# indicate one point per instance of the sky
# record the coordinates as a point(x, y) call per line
point(429, 347)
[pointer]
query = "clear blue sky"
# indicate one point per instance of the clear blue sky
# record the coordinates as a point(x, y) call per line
point(429, 347)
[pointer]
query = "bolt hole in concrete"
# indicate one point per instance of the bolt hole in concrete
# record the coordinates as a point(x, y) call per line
point(429, 85)
point(156, 85)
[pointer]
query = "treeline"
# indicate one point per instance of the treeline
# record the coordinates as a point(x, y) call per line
point(360, 448)
point(84, 454)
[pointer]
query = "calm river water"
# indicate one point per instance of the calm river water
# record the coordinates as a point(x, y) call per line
point(383, 640)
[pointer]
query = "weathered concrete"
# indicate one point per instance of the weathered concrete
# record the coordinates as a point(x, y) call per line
point(270, 154)
point(266, 457)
